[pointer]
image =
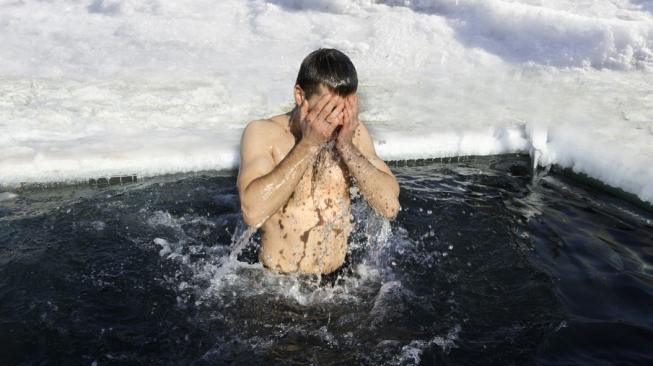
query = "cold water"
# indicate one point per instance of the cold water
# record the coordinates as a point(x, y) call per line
point(484, 265)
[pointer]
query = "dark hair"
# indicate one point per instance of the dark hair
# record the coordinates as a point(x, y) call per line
point(329, 67)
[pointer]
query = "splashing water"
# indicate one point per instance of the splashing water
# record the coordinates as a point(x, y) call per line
point(230, 285)
point(480, 267)
point(216, 274)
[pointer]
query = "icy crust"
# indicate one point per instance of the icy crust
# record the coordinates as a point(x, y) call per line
point(109, 87)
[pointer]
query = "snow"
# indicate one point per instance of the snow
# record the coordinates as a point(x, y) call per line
point(111, 87)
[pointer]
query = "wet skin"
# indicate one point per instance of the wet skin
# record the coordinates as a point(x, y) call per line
point(294, 180)
point(309, 232)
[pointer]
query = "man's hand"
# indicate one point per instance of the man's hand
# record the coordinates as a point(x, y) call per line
point(318, 123)
point(349, 121)
point(372, 175)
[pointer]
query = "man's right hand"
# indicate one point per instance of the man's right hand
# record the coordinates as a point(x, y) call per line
point(318, 123)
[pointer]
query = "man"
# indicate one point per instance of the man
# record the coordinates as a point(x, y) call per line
point(296, 170)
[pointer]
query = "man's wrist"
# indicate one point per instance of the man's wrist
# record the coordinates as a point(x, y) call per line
point(309, 146)
point(344, 147)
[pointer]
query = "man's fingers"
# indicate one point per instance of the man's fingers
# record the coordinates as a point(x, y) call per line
point(328, 108)
point(350, 103)
point(330, 127)
point(336, 113)
point(317, 108)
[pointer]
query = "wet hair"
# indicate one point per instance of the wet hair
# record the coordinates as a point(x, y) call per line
point(329, 67)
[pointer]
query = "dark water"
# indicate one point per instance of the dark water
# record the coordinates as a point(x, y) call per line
point(480, 268)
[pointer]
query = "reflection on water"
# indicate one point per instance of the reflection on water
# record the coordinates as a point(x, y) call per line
point(480, 267)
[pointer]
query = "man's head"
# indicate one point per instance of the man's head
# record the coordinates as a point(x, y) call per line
point(322, 71)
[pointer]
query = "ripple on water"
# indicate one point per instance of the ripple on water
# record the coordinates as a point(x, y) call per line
point(480, 267)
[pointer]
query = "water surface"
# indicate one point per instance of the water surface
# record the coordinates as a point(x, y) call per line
point(482, 266)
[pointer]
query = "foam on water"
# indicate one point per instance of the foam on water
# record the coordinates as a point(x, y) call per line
point(411, 354)
point(219, 273)
point(107, 87)
point(219, 280)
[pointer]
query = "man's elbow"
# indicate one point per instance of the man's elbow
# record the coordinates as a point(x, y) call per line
point(251, 217)
point(393, 209)
point(390, 209)
point(393, 206)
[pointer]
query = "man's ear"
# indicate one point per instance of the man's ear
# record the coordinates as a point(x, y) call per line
point(298, 93)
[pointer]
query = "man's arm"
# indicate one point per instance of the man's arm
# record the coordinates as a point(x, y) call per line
point(263, 187)
point(373, 177)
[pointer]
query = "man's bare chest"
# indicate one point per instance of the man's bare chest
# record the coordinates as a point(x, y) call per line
point(324, 181)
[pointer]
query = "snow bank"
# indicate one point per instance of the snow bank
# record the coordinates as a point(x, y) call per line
point(564, 33)
point(106, 87)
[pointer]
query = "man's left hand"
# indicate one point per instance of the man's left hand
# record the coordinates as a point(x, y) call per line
point(350, 121)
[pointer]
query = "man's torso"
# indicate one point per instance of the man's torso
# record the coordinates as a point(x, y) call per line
point(309, 233)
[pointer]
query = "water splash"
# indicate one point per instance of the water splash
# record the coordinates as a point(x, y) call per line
point(214, 273)
point(538, 151)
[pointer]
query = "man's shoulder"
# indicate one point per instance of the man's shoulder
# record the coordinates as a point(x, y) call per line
point(265, 126)
point(261, 125)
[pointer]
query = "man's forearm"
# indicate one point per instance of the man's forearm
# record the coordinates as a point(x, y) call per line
point(379, 188)
point(265, 195)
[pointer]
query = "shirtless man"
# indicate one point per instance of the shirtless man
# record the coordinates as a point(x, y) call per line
point(296, 170)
